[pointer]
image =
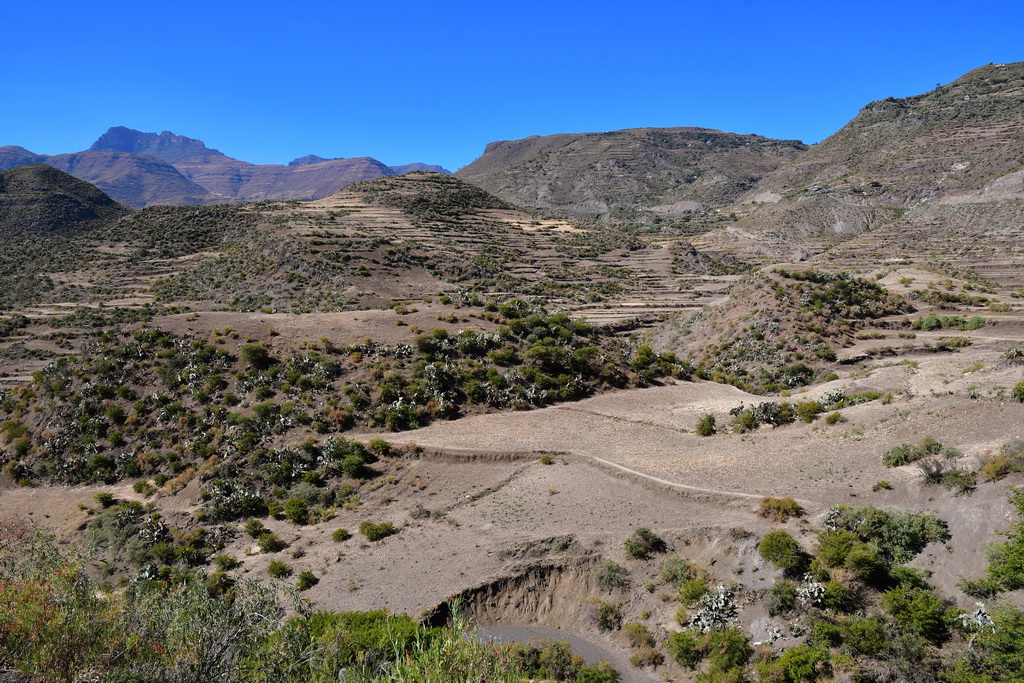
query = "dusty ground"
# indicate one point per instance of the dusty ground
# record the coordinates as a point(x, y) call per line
point(620, 461)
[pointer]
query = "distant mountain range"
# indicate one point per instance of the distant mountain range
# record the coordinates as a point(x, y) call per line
point(138, 169)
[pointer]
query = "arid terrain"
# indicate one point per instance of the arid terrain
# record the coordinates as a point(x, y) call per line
point(519, 393)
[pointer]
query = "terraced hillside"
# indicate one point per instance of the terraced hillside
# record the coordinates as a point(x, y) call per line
point(778, 440)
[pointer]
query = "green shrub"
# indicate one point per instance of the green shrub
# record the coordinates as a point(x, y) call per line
point(269, 542)
point(375, 532)
point(340, 535)
point(960, 481)
point(863, 635)
point(646, 655)
point(727, 649)
point(834, 418)
point(798, 664)
point(306, 580)
point(781, 598)
point(607, 615)
point(706, 425)
point(644, 543)
point(920, 610)
point(692, 590)
point(226, 563)
point(255, 355)
point(684, 650)
point(279, 570)
point(546, 460)
point(602, 672)
point(354, 465)
point(808, 410)
point(638, 635)
point(380, 447)
point(675, 570)
point(143, 488)
point(898, 535)
point(836, 597)
point(297, 511)
point(1018, 391)
point(254, 528)
point(105, 499)
point(1006, 559)
point(779, 510)
point(906, 453)
point(824, 634)
point(783, 551)
point(834, 545)
point(609, 574)
point(865, 564)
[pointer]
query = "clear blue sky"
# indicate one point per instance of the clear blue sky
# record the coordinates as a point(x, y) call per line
point(435, 81)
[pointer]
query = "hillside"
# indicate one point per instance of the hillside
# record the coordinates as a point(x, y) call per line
point(37, 200)
point(700, 420)
point(627, 173)
point(959, 142)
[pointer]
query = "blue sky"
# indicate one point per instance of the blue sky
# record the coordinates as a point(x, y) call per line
point(436, 81)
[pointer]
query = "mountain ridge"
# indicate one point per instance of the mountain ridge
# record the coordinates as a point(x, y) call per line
point(140, 169)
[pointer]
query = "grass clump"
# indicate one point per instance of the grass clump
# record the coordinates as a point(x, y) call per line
point(340, 535)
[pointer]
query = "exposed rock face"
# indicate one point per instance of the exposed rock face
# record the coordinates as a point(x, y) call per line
point(36, 200)
point(166, 145)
